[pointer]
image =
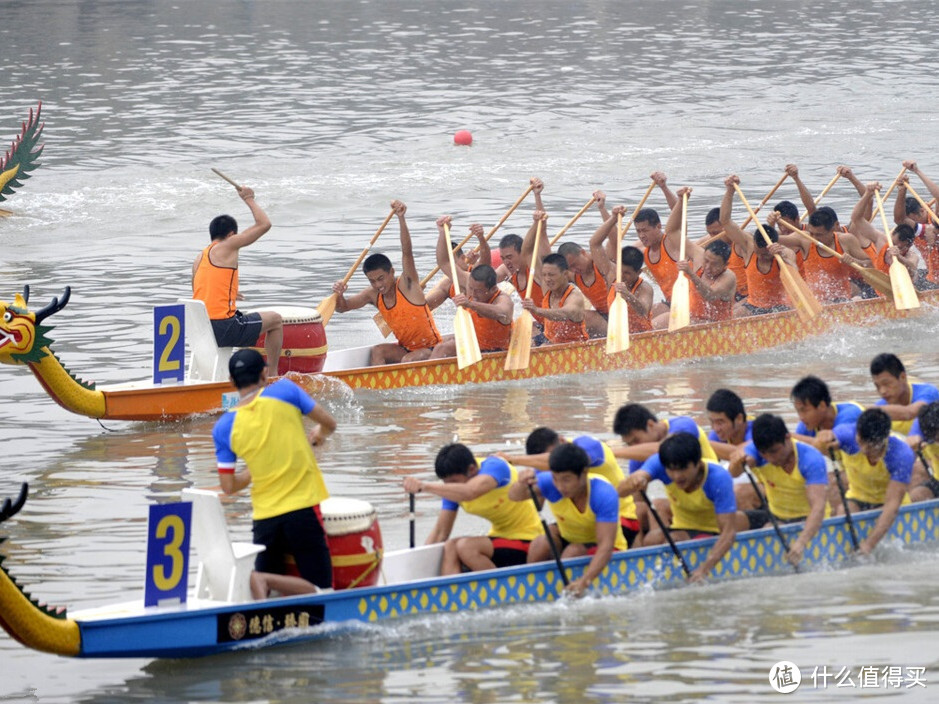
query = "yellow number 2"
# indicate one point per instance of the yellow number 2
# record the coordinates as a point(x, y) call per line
point(171, 550)
point(170, 321)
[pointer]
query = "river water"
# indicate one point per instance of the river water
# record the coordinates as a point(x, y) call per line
point(331, 109)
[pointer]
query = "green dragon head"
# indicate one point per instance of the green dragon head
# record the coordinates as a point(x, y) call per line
point(23, 337)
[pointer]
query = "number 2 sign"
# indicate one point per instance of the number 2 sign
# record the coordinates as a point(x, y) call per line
point(169, 343)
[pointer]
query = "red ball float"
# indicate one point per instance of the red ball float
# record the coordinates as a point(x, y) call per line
point(464, 138)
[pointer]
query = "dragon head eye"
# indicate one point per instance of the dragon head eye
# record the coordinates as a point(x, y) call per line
point(7, 317)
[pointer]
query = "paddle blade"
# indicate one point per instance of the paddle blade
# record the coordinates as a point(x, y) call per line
point(617, 328)
point(467, 344)
point(382, 325)
point(327, 307)
point(520, 343)
point(679, 312)
point(904, 294)
point(801, 296)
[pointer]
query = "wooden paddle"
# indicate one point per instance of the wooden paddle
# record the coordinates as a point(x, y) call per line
point(520, 343)
point(821, 195)
point(772, 518)
point(844, 501)
point(569, 223)
point(547, 535)
point(679, 311)
point(803, 300)
point(749, 219)
point(666, 532)
point(617, 328)
point(464, 332)
point(327, 306)
point(632, 218)
point(876, 278)
point(904, 293)
point(887, 195)
point(221, 175)
point(412, 520)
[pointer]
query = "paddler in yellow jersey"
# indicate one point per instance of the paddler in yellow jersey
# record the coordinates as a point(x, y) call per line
point(879, 466)
point(538, 446)
point(924, 439)
point(899, 398)
point(479, 488)
point(400, 300)
point(701, 495)
point(794, 476)
point(585, 506)
point(215, 283)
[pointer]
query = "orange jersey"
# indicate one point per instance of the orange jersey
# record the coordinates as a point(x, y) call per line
point(562, 330)
point(828, 278)
point(880, 259)
point(765, 290)
point(664, 271)
point(412, 325)
point(737, 265)
point(637, 322)
point(536, 293)
point(492, 334)
point(930, 254)
point(216, 286)
point(706, 311)
point(597, 292)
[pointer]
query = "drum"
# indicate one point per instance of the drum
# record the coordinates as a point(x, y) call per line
point(354, 540)
point(304, 340)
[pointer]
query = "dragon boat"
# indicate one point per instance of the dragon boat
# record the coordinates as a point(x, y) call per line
point(206, 389)
point(408, 586)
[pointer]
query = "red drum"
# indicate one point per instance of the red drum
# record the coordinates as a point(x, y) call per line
point(354, 540)
point(304, 340)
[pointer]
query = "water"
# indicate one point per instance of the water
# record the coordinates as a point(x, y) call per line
point(330, 110)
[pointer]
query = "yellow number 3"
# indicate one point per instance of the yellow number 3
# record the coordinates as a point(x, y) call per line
point(171, 550)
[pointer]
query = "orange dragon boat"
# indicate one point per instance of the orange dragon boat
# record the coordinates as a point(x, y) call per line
point(206, 389)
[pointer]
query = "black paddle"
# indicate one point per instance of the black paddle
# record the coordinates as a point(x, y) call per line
point(547, 534)
point(411, 517)
point(665, 531)
point(844, 500)
point(772, 518)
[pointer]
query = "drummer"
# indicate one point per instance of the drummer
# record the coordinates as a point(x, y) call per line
point(399, 299)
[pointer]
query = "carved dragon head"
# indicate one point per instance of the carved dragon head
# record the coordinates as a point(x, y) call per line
point(23, 337)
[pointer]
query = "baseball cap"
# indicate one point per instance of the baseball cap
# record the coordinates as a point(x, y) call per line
point(593, 448)
point(246, 365)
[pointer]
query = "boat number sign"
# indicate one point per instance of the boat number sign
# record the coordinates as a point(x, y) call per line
point(169, 343)
point(168, 553)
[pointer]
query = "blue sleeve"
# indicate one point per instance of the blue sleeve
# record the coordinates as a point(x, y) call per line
point(288, 392)
point(924, 392)
point(802, 430)
point(713, 436)
point(899, 460)
point(447, 505)
point(656, 470)
point(547, 488)
point(847, 413)
point(683, 424)
point(719, 488)
point(221, 434)
point(915, 429)
point(604, 501)
point(751, 451)
point(845, 435)
point(812, 464)
point(498, 469)
point(634, 465)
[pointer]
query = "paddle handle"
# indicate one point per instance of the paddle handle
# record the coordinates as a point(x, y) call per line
point(531, 272)
point(666, 532)
point(822, 195)
point(821, 245)
point(763, 202)
point(221, 175)
point(844, 501)
point(632, 218)
point(619, 248)
point(352, 269)
point(412, 518)
point(743, 199)
point(572, 221)
point(684, 226)
point(547, 535)
point(455, 279)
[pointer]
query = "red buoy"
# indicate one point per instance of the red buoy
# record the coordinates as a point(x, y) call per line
point(464, 138)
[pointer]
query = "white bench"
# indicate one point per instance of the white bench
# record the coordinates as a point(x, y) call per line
point(207, 361)
point(224, 567)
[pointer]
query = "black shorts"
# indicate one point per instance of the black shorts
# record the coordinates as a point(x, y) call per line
point(865, 506)
point(933, 485)
point(630, 530)
point(507, 552)
point(298, 533)
point(759, 517)
point(738, 297)
point(240, 330)
point(763, 311)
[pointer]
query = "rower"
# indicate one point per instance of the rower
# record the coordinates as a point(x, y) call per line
point(713, 287)
point(901, 239)
point(585, 506)
point(794, 478)
point(481, 489)
point(924, 438)
point(715, 233)
point(638, 426)
point(908, 210)
point(590, 280)
point(700, 495)
point(563, 305)
point(464, 262)
point(215, 283)
point(899, 398)
point(812, 402)
point(879, 466)
point(400, 300)
point(731, 430)
point(266, 430)
point(765, 291)
point(635, 291)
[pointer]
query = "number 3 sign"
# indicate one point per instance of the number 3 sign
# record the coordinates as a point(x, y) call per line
point(167, 553)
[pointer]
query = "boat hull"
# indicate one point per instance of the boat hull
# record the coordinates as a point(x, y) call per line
point(195, 631)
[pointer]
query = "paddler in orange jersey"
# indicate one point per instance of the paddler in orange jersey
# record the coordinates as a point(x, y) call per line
point(215, 283)
point(585, 506)
point(479, 488)
point(765, 292)
point(637, 292)
point(400, 300)
point(661, 248)
point(908, 210)
point(901, 239)
point(563, 304)
point(713, 287)
point(714, 229)
point(465, 262)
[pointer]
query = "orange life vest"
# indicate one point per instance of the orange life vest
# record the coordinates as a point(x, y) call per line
point(765, 290)
point(562, 330)
point(637, 322)
point(597, 292)
point(825, 274)
point(737, 265)
point(216, 286)
point(536, 293)
point(930, 253)
point(491, 334)
point(412, 325)
point(707, 311)
point(664, 271)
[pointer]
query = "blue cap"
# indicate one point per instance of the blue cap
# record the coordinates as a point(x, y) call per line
point(593, 448)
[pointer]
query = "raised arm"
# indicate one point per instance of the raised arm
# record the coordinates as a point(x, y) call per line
point(860, 216)
point(410, 280)
point(601, 204)
point(660, 180)
point(899, 205)
point(227, 249)
point(846, 172)
point(737, 236)
point(443, 258)
point(598, 250)
point(807, 200)
point(933, 188)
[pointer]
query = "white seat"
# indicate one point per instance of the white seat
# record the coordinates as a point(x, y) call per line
point(224, 567)
point(207, 361)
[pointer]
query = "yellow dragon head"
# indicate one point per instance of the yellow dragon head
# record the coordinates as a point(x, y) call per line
point(23, 337)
